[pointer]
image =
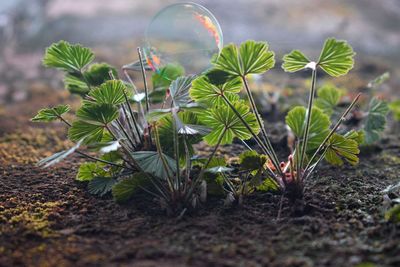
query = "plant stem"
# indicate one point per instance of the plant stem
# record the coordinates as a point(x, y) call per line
point(187, 154)
point(200, 177)
point(85, 80)
point(64, 120)
point(146, 91)
point(259, 142)
point(264, 135)
point(176, 148)
point(133, 117)
point(215, 149)
point(102, 160)
point(308, 119)
point(160, 153)
point(126, 134)
point(136, 92)
point(338, 123)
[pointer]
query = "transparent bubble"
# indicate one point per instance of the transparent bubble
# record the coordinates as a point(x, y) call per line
point(184, 34)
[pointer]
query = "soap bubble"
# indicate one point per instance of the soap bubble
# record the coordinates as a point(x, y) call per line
point(185, 35)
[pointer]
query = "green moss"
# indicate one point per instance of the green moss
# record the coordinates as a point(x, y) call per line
point(31, 218)
point(390, 158)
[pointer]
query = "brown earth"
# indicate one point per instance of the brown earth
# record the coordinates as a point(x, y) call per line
point(49, 219)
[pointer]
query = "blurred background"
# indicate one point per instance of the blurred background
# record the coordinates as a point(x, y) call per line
point(114, 29)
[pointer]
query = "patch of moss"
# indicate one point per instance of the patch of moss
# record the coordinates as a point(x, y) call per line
point(30, 145)
point(30, 218)
point(390, 158)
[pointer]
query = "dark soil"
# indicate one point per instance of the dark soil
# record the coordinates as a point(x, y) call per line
point(49, 219)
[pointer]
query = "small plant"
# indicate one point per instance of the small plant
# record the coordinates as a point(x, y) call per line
point(370, 121)
point(144, 149)
point(315, 137)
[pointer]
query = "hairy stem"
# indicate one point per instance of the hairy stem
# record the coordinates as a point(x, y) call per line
point(101, 160)
point(135, 123)
point(164, 162)
point(338, 123)
point(258, 141)
point(176, 148)
point(308, 118)
point(264, 135)
point(136, 92)
point(146, 91)
point(126, 134)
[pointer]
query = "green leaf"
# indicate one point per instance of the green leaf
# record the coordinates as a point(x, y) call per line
point(99, 73)
point(70, 58)
point(268, 185)
point(218, 77)
point(251, 160)
point(204, 91)
point(255, 57)
point(89, 170)
point(214, 162)
point(100, 186)
point(328, 98)
point(150, 162)
point(156, 96)
point(251, 58)
point(295, 61)
point(376, 120)
point(110, 92)
point(229, 60)
point(162, 79)
point(166, 131)
point(319, 127)
point(126, 188)
point(98, 114)
point(59, 156)
point(357, 136)
point(157, 114)
point(339, 148)
point(227, 125)
point(91, 132)
point(51, 114)
point(395, 108)
point(179, 90)
point(393, 214)
point(336, 57)
point(75, 84)
point(95, 76)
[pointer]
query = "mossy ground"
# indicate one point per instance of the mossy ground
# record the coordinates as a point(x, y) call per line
point(49, 219)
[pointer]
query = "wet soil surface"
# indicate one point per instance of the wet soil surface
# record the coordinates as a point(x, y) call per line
point(49, 219)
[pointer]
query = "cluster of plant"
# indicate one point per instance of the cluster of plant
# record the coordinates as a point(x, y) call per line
point(145, 141)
